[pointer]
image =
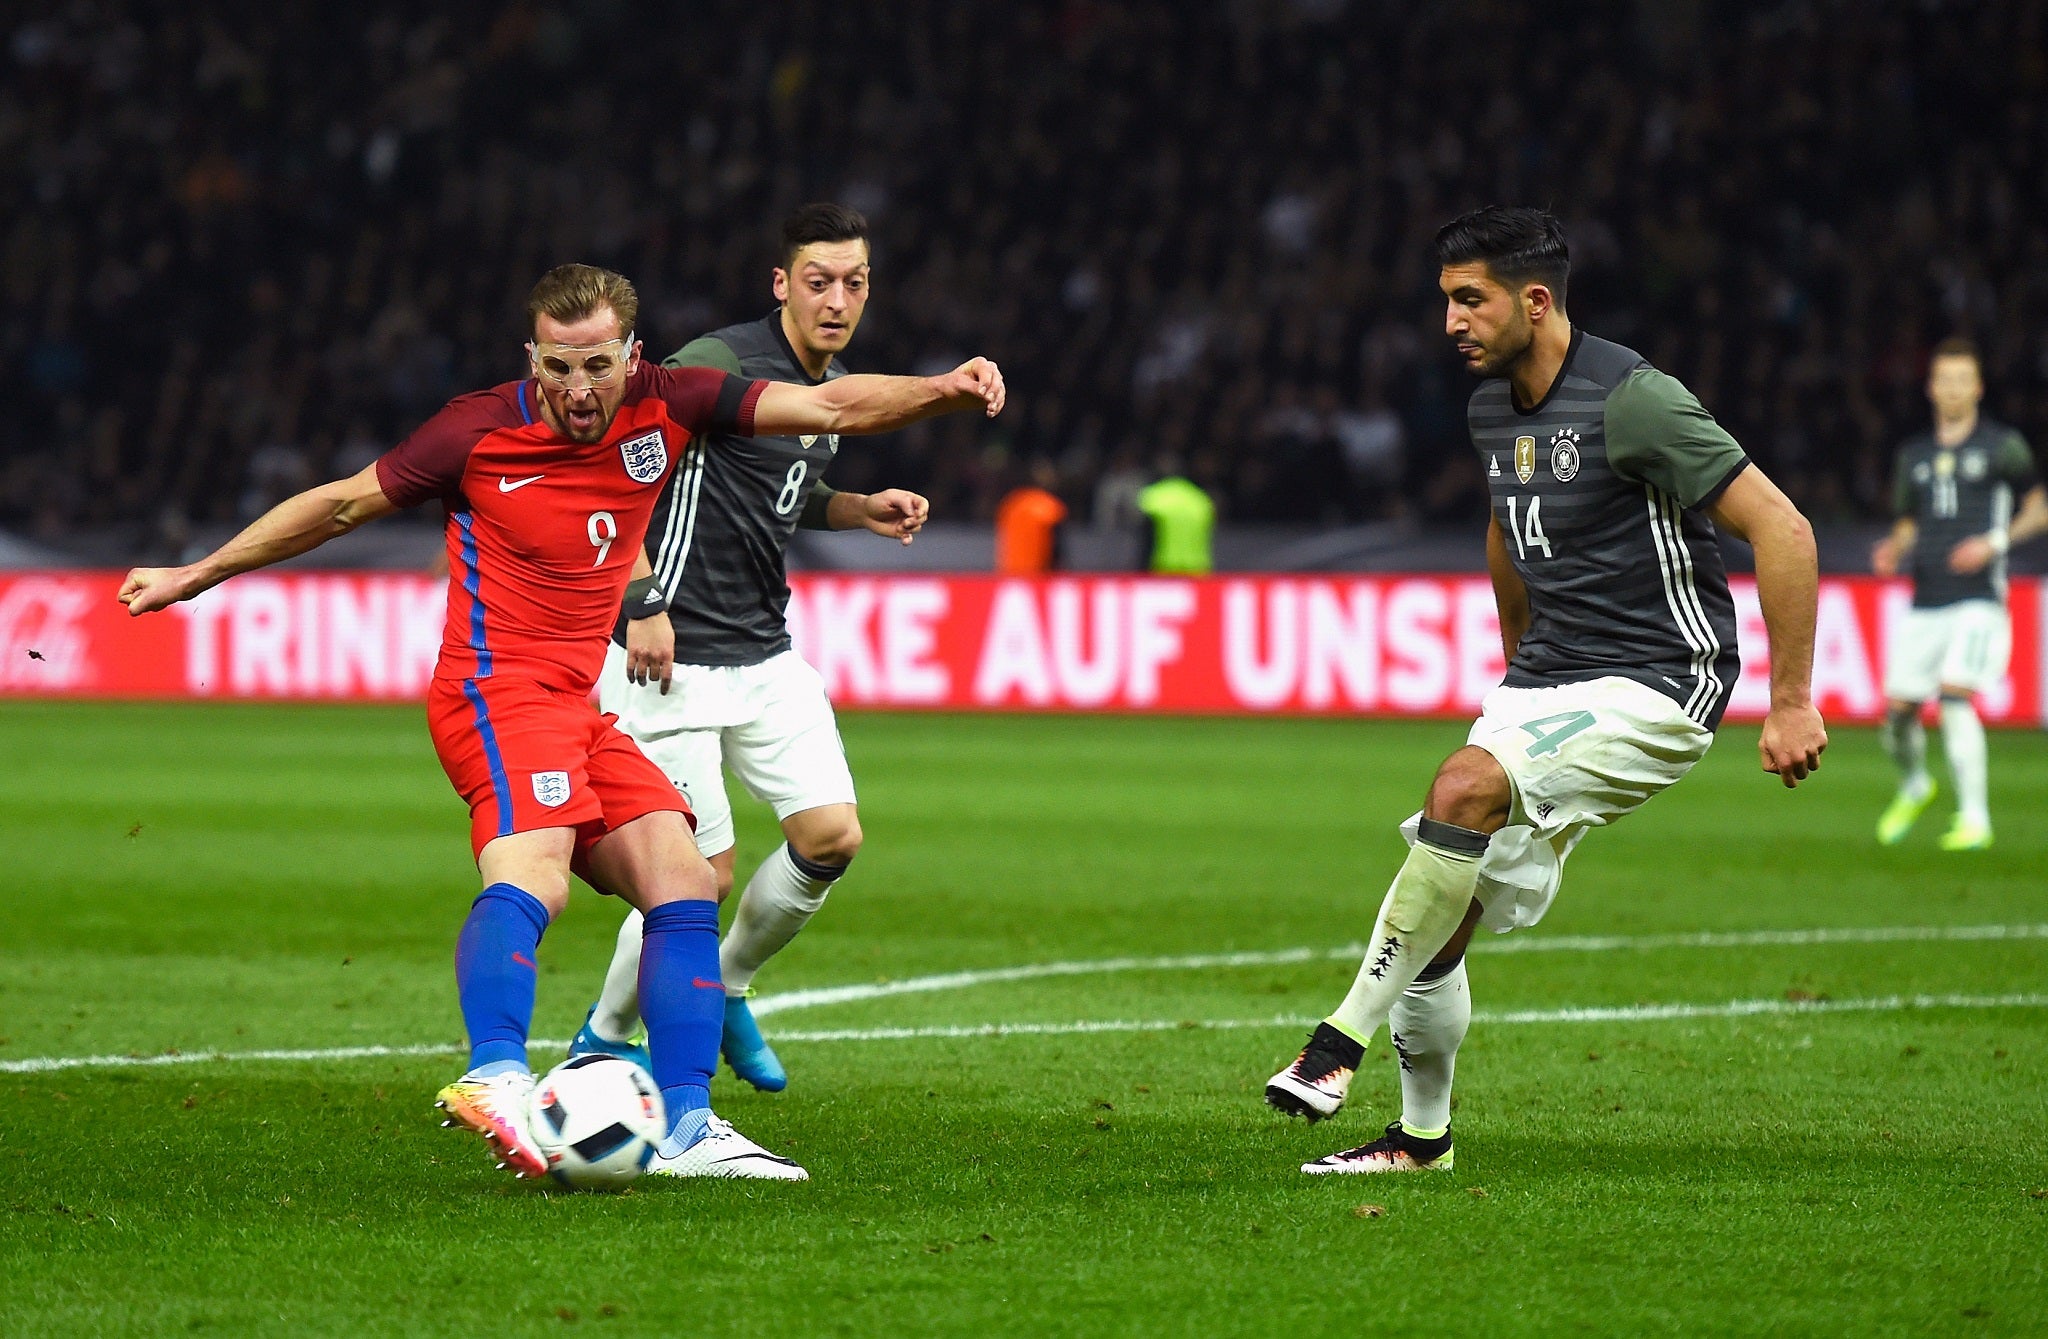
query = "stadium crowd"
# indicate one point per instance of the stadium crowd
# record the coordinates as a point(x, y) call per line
point(247, 246)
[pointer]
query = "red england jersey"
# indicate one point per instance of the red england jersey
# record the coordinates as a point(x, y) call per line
point(543, 531)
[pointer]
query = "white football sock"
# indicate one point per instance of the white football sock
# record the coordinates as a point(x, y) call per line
point(617, 1016)
point(784, 893)
point(1422, 911)
point(1906, 740)
point(1962, 738)
point(1427, 1024)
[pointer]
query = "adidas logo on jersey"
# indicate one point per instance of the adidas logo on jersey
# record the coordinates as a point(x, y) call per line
point(1493, 467)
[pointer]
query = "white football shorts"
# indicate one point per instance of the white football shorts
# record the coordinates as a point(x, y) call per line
point(770, 723)
point(1579, 756)
point(1966, 644)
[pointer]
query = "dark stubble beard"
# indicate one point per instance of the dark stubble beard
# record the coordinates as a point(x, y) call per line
point(1501, 362)
point(596, 434)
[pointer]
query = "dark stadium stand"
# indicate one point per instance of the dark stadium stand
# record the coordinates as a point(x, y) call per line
point(246, 246)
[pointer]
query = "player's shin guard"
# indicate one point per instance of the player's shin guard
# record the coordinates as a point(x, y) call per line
point(1422, 911)
point(494, 974)
point(783, 894)
point(683, 1004)
point(1906, 741)
point(1962, 739)
point(617, 1015)
point(1427, 1025)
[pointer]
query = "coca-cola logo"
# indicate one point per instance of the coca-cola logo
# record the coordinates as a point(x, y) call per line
point(44, 646)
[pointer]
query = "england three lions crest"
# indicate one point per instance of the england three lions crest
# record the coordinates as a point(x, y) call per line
point(646, 457)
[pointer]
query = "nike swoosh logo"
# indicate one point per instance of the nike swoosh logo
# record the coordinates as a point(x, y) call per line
point(701, 984)
point(522, 960)
point(508, 485)
point(754, 1157)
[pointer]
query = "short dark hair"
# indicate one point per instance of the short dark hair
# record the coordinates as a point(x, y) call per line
point(1516, 242)
point(1956, 346)
point(820, 222)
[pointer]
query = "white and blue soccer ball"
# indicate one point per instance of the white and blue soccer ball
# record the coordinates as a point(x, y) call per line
point(597, 1120)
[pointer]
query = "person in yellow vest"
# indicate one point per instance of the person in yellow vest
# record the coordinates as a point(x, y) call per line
point(1180, 522)
point(1028, 521)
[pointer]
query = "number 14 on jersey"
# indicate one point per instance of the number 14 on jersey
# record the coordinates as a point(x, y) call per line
point(1527, 527)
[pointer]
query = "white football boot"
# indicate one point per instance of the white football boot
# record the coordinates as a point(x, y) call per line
point(496, 1109)
point(725, 1152)
point(1315, 1085)
point(1395, 1151)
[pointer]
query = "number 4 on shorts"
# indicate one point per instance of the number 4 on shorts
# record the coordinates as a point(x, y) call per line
point(1552, 731)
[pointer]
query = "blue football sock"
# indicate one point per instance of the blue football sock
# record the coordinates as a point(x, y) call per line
point(682, 1002)
point(494, 975)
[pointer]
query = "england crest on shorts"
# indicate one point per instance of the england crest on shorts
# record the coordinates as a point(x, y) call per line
point(646, 457)
point(551, 788)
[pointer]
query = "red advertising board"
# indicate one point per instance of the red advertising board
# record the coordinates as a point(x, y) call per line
point(1360, 645)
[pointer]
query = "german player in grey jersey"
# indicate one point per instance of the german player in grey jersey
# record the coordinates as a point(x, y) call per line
point(1952, 491)
point(702, 674)
point(1608, 480)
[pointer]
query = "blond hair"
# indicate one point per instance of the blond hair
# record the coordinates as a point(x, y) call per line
point(571, 292)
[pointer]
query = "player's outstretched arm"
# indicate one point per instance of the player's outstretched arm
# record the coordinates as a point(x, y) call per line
point(1788, 588)
point(1975, 553)
point(1510, 595)
point(294, 526)
point(896, 513)
point(1890, 551)
point(2032, 520)
point(864, 404)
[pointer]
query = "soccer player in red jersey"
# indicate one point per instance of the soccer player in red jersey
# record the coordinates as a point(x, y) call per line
point(548, 484)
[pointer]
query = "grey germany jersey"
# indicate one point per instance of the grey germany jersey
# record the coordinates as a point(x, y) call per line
point(1598, 491)
point(1952, 493)
point(722, 526)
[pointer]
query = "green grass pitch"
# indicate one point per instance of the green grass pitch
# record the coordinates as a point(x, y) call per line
point(237, 878)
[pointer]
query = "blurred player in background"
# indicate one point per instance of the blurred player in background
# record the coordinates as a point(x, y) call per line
point(1619, 633)
point(549, 484)
point(1952, 491)
point(701, 672)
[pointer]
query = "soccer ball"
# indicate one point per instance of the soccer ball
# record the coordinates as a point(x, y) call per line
point(597, 1120)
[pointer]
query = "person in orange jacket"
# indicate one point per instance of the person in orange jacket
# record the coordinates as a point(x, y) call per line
point(1028, 522)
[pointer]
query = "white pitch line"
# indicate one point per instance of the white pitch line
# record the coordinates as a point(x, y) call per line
point(1635, 1013)
point(811, 999)
point(1627, 1013)
point(47, 1064)
point(920, 985)
point(1877, 934)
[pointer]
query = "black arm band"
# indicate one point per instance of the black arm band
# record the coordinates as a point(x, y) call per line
point(816, 507)
point(644, 598)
